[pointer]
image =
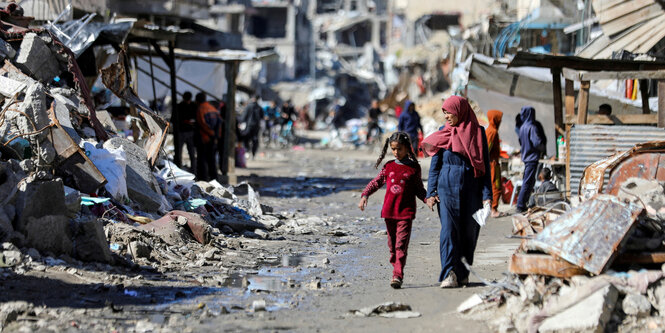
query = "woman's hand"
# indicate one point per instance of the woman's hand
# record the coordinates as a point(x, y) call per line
point(363, 203)
point(431, 201)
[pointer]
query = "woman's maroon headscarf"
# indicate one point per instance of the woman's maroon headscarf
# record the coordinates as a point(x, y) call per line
point(464, 138)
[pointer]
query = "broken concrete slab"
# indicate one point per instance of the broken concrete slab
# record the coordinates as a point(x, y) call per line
point(35, 107)
point(142, 186)
point(636, 305)
point(49, 233)
point(90, 242)
point(35, 56)
point(9, 87)
point(139, 249)
point(37, 199)
point(590, 314)
point(656, 294)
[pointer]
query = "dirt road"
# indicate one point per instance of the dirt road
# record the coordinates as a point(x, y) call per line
point(362, 271)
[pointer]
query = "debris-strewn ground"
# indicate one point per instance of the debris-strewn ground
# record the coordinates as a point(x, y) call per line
point(317, 259)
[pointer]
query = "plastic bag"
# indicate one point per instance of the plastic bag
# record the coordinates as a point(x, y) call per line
point(482, 214)
point(111, 163)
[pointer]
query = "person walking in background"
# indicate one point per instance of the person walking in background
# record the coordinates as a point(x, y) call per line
point(494, 147)
point(405, 184)
point(409, 122)
point(187, 109)
point(209, 123)
point(251, 120)
point(459, 184)
point(532, 143)
point(373, 121)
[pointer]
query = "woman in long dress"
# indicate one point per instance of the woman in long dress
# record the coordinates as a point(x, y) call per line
point(459, 184)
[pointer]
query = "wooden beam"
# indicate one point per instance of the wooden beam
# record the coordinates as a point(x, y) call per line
point(570, 98)
point(556, 95)
point(619, 119)
point(661, 103)
point(522, 59)
point(641, 258)
point(576, 75)
point(542, 264)
point(644, 92)
point(583, 107)
point(228, 161)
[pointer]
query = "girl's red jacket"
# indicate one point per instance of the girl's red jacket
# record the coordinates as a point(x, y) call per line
point(404, 184)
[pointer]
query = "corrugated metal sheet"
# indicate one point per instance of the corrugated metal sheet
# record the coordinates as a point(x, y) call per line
point(590, 143)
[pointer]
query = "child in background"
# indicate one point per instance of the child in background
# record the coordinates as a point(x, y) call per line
point(540, 197)
point(399, 205)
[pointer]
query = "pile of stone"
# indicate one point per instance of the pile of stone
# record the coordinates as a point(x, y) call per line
point(597, 267)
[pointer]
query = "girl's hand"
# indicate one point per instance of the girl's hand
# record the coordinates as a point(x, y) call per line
point(363, 203)
point(431, 201)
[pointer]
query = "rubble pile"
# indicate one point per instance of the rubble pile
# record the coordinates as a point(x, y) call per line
point(595, 267)
point(72, 187)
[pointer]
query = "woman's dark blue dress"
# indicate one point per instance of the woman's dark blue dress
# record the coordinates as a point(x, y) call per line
point(461, 194)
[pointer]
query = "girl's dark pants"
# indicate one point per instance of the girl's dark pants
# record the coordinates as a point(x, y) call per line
point(399, 233)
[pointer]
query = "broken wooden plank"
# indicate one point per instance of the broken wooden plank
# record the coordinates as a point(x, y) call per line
point(572, 74)
point(615, 26)
point(622, 9)
point(542, 264)
point(590, 235)
point(641, 258)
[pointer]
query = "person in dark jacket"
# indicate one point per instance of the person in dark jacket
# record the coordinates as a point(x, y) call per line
point(459, 181)
point(409, 122)
point(532, 143)
point(546, 192)
point(187, 110)
point(252, 123)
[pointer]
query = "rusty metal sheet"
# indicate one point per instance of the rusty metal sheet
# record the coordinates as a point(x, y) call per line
point(644, 165)
point(592, 143)
point(596, 175)
point(591, 235)
point(116, 78)
point(542, 264)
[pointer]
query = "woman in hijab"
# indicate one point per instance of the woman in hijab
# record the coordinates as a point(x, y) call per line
point(494, 147)
point(459, 181)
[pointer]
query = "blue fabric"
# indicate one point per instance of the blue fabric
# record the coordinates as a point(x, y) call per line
point(531, 139)
point(409, 122)
point(461, 194)
point(528, 181)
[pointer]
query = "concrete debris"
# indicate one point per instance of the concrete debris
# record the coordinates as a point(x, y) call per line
point(388, 310)
point(636, 305)
point(10, 311)
point(142, 186)
point(589, 315)
point(36, 57)
point(90, 242)
point(656, 295)
point(139, 249)
point(49, 233)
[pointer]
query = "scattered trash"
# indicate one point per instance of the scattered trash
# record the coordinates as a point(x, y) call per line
point(387, 310)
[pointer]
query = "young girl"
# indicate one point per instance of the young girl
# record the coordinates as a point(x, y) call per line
point(399, 205)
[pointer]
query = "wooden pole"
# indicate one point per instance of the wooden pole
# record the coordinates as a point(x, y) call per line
point(661, 103)
point(644, 92)
point(228, 162)
point(583, 107)
point(556, 94)
point(175, 116)
point(570, 113)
